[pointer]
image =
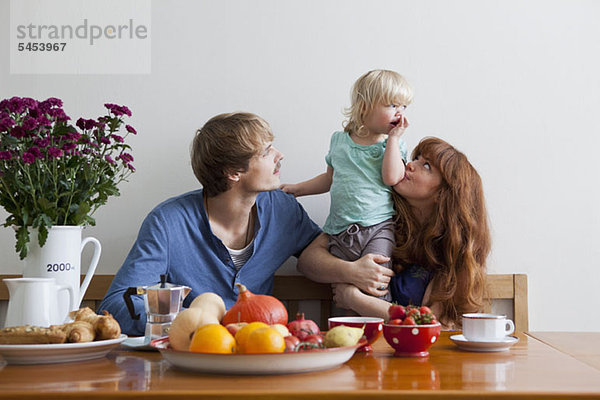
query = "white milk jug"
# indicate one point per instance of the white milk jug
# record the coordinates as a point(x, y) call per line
point(34, 301)
point(60, 258)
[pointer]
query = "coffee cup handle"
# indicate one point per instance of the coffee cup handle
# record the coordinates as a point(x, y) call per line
point(511, 327)
point(69, 289)
point(91, 268)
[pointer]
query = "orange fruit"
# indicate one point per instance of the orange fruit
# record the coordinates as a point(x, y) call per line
point(241, 336)
point(212, 338)
point(265, 340)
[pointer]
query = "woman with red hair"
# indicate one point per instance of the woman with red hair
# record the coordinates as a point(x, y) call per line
point(442, 242)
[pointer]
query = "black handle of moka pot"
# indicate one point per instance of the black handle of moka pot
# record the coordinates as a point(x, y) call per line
point(129, 303)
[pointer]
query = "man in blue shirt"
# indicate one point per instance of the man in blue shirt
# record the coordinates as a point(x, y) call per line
point(238, 228)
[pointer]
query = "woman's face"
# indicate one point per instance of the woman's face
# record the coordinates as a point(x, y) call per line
point(421, 183)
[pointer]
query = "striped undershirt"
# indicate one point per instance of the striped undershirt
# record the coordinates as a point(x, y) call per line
point(239, 257)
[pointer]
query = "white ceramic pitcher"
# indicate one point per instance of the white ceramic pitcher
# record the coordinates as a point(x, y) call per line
point(60, 258)
point(34, 301)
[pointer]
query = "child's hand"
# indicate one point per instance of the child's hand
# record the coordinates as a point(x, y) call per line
point(400, 127)
point(290, 188)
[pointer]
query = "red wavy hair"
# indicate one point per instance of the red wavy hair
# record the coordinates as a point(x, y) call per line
point(455, 240)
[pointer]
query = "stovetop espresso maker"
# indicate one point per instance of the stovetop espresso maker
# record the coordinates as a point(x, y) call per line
point(162, 302)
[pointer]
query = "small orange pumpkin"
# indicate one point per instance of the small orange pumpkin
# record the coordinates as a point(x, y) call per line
point(251, 307)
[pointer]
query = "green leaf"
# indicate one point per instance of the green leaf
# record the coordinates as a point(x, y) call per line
point(22, 236)
point(42, 234)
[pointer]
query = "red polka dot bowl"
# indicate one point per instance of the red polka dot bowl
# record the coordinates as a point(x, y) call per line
point(372, 326)
point(411, 340)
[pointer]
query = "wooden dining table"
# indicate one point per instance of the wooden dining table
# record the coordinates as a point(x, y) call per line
point(539, 366)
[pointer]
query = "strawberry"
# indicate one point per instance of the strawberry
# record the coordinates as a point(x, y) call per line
point(409, 321)
point(396, 311)
point(424, 310)
point(414, 314)
point(396, 321)
point(427, 319)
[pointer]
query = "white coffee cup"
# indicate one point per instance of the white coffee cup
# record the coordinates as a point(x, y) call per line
point(486, 327)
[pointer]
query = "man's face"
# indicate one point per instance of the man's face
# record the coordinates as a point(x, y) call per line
point(263, 170)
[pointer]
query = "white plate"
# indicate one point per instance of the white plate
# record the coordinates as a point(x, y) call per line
point(257, 364)
point(491, 346)
point(57, 353)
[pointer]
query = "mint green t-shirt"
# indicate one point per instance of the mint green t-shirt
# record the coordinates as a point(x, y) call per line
point(358, 194)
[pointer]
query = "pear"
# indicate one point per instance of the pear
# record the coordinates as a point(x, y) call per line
point(341, 335)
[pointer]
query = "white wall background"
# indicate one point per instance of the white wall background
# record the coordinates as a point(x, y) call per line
point(514, 84)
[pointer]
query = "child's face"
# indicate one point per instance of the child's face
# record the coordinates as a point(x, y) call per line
point(383, 118)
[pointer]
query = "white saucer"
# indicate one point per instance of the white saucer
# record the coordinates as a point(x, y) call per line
point(484, 346)
point(138, 343)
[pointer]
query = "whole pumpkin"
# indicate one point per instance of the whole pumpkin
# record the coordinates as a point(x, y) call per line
point(251, 307)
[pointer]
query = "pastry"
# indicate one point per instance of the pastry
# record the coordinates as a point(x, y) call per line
point(32, 335)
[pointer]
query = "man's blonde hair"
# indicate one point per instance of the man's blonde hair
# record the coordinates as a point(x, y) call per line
point(375, 87)
point(224, 146)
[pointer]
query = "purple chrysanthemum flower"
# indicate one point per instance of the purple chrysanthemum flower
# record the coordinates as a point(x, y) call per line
point(58, 114)
point(43, 121)
point(53, 102)
point(126, 111)
point(117, 138)
point(28, 158)
point(34, 113)
point(36, 152)
point(29, 103)
point(15, 105)
point(131, 129)
point(118, 110)
point(69, 146)
point(80, 123)
point(73, 136)
point(17, 132)
point(54, 152)
point(5, 155)
point(86, 124)
point(131, 167)
point(105, 140)
point(109, 159)
point(29, 123)
point(45, 142)
point(126, 157)
point(6, 123)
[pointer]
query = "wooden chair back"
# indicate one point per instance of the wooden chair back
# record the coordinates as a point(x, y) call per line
point(294, 291)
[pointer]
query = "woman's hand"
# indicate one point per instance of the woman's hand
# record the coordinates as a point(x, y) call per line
point(369, 276)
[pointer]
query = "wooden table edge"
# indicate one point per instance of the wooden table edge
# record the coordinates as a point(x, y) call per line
point(549, 343)
point(276, 395)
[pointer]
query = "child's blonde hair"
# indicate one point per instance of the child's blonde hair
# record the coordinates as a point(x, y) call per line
point(375, 87)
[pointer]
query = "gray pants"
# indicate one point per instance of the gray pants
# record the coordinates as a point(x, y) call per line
point(357, 241)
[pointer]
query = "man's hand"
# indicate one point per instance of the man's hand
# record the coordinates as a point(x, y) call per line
point(369, 276)
point(344, 295)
